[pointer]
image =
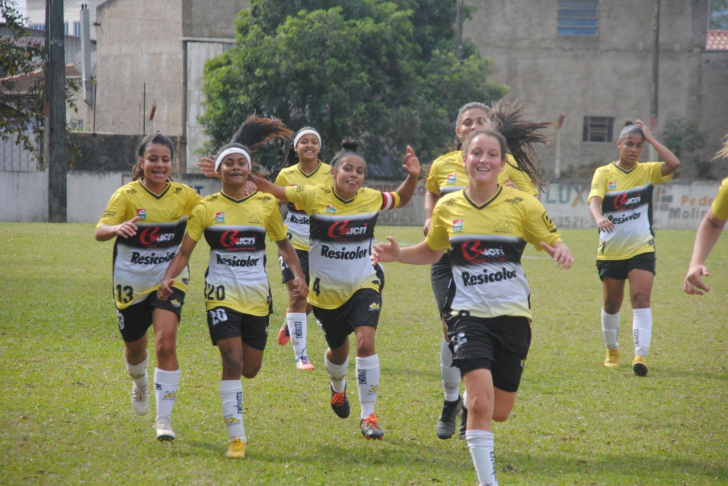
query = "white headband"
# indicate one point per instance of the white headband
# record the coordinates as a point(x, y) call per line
point(309, 131)
point(230, 151)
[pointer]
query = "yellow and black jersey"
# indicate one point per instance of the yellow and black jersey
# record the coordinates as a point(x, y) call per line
point(297, 221)
point(486, 243)
point(720, 205)
point(627, 203)
point(141, 260)
point(236, 277)
point(447, 175)
point(342, 234)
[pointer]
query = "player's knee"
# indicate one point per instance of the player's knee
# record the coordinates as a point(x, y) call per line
point(480, 406)
point(640, 301)
point(250, 371)
point(612, 307)
point(501, 415)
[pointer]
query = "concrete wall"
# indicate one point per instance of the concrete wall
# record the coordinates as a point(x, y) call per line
point(678, 205)
point(609, 74)
point(202, 21)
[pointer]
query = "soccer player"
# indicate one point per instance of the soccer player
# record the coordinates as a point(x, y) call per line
point(707, 236)
point(148, 218)
point(485, 227)
point(237, 292)
point(308, 171)
point(447, 175)
point(345, 287)
point(620, 201)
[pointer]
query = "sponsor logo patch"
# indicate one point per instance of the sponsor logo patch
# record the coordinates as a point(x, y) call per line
point(451, 178)
point(220, 217)
point(612, 186)
point(457, 226)
point(142, 214)
point(330, 208)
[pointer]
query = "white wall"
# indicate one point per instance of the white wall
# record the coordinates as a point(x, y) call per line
point(24, 196)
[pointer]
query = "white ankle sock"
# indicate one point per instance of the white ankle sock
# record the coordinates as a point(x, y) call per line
point(450, 374)
point(337, 374)
point(166, 384)
point(480, 443)
point(610, 329)
point(367, 380)
point(642, 330)
point(297, 329)
point(231, 396)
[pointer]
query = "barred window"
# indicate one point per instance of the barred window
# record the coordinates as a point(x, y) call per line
point(598, 129)
point(578, 17)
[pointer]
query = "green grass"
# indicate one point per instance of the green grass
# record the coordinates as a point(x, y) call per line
point(66, 416)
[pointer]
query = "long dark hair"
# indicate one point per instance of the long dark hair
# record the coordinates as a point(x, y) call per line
point(255, 131)
point(159, 138)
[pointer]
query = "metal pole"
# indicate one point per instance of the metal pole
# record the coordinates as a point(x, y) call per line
point(655, 77)
point(56, 66)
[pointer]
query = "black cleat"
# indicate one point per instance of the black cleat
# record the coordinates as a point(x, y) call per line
point(447, 422)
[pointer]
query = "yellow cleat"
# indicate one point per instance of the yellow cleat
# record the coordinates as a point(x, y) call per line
point(236, 449)
point(639, 365)
point(612, 359)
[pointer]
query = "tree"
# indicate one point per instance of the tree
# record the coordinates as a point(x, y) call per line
point(21, 111)
point(719, 14)
point(685, 139)
point(382, 72)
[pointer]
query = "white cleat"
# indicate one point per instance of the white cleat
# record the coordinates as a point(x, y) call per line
point(140, 399)
point(164, 429)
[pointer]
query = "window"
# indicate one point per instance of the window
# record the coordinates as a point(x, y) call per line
point(37, 26)
point(578, 18)
point(598, 129)
point(77, 29)
point(65, 28)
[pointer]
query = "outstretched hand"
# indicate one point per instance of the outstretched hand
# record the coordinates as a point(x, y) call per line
point(560, 253)
point(207, 167)
point(385, 252)
point(411, 162)
point(165, 289)
point(694, 280)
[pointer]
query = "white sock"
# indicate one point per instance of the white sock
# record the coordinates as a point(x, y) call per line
point(642, 330)
point(337, 373)
point(450, 374)
point(610, 329)
point(231, 396)
point(367, 380)
point(480, 443)
point(138, 372)
point(297, 329)
point(165, 390)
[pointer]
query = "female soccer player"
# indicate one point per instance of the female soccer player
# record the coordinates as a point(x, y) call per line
point(707, 236)
point(345, 287)
point(620, 201)
point(485, 227)
point(237, 292)
point(148, 218)
point(447, 175)
point(308, 171)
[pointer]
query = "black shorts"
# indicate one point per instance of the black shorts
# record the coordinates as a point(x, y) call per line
point(287, 273)
point(499, 344)
point(134, 321)
point(362, 309)
point(440, 278)
point(619, 269)
point(224, 323)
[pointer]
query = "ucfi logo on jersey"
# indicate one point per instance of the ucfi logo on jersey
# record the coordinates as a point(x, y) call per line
point(153, 235)
point(622, 201)
point(451, 178)
point(330, 208)
point(219, 217)
point(142, 214)
point(342, 228)
point(457, 226)
point(473, 252)
point(231, 239)
point(612, 186)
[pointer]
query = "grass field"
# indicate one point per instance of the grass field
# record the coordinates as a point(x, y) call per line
point(66, 416)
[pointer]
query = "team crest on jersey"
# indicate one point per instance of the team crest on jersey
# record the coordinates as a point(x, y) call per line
point(515, 200)
point(330, 208)
point(364, 208)
point(178, 190)
point(503, 226)
point(457, 225)
point(220, 217)
point(612, 186)
point(451, 178)
point(265, 198)
point(175, 303)
point(142, 214)
point(255, 218)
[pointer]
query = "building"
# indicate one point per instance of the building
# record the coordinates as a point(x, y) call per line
point(593, 61)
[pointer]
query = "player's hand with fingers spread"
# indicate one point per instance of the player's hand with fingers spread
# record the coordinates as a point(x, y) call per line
point(694, 280)
point(385, 252)
point(127, 228)
point(605, 225)
point(560, 253)
point(165, 289)
point(511, 184)
point(207, 167)
point(411, 162)
point(645, 129)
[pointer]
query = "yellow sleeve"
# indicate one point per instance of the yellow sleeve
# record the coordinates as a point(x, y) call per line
point(537, 225)
point(655, 171)
point(720, 205)
point(281, 179)
point(193, 199)
point(438, 238)
point(598, 186)
point(116, 210)
point(197, 223)
point(431, 184)
point(304, 197)
point(274, 225)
